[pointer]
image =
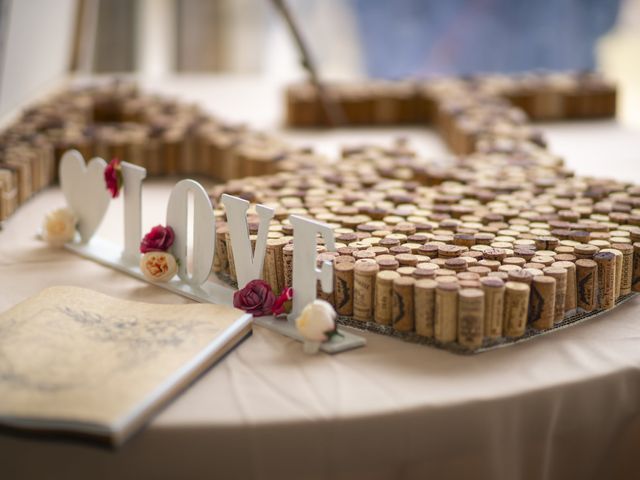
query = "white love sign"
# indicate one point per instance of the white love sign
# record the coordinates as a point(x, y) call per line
point(84, 189)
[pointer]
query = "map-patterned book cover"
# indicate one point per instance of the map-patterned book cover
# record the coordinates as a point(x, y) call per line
point(76, 361)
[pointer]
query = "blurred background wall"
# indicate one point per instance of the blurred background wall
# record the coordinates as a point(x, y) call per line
point(43, 39)
point(378, 38)
point(35, 43)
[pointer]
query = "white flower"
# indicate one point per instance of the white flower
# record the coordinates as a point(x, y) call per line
point(158, 266)
point(316, 320)
point(59, 227)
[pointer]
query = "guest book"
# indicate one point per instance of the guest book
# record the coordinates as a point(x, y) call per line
point(75, 361)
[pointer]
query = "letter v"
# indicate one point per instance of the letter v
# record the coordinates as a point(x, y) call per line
point(248, 265)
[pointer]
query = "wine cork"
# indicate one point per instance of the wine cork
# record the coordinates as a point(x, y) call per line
point(221, 248)
point(496, 254)
point(521, 276)
point(586, 282)
point(560, 274)
point(287, 260)
point(585, 251)
point(508, 269)
point(402, 305)
point(446, 312)
point(537, 266)
point(635, 276)
point(406, 271)
point(467, 276)
point(492, 264)
point(493, 306)
point(360, 254)
point(428, 266)
point(387, 262)
point(424, 302)
point(407, 259)
point(420, 273)
point(344, 258)
point(606, 279)
point(627, 267)
point(346, 251)
point(469, 284)
point(364, 279)
point(617, 268)
point(379, 250)
point(542, 303)
point(516, 304)
point(457, 264)
point(471, 304)
point(444, 272)
point(565, 257)
point(571, 291)
point(518, 261)
point(270, 269)
point(343, 285)
point(384, 296)
point(543, 259)
point(480, 270)
point(501, 275)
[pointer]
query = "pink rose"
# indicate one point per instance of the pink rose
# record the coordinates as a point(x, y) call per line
point(159, 239)
point(113, 177)
point(256, 298)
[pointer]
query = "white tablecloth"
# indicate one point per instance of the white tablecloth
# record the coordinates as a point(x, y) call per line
point(566, 405)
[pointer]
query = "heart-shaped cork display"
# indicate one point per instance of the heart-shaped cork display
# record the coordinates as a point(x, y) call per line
point(84, 189)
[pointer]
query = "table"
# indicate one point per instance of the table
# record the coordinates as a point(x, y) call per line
point(566, 405)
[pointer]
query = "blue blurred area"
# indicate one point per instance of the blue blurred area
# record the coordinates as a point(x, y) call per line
point(418, 37)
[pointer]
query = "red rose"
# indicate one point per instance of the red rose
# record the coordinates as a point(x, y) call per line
point(256, 298)
point(113, 177)
point(159, 239)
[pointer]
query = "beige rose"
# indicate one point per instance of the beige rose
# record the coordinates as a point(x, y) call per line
point(158, 266)
point(316, 320)
point(59, 227)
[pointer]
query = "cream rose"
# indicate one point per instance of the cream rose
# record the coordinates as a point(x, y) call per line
point(158, 266)
point(59, 227)
point(316, 320)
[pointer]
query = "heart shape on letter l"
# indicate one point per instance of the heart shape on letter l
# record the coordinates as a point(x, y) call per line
point(85, 190)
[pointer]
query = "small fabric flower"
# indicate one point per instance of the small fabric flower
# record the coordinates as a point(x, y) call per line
point(255, 298)
point(317, 322)
point(113, 177)
point(283, 298)
point(59, 227)
point(159, 239)
point(158, 266)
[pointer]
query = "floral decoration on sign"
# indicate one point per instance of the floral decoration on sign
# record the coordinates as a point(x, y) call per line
point(159, 239)
point(157, 264)
point(317, 321)
point(59, 227)
point(258, 299)
point(113, 177)
point(281, 302)
point(317, 324)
